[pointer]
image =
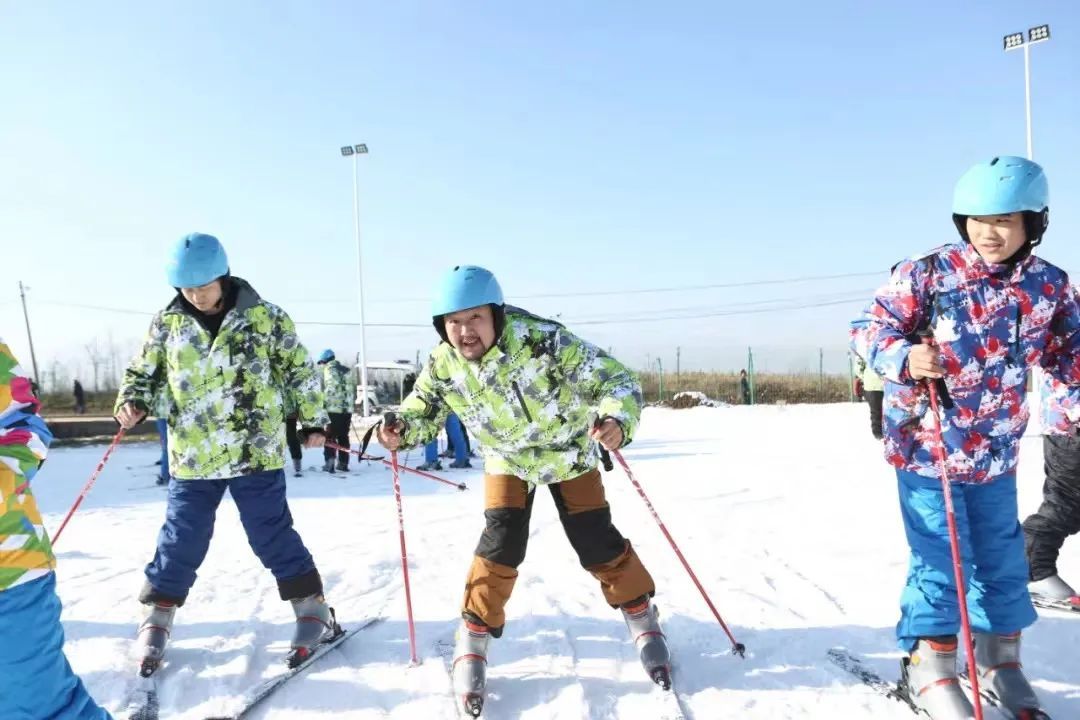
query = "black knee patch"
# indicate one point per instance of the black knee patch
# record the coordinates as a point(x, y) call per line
point(595, 540)
point(150, 595)
point(506, 535)
point(300, 586)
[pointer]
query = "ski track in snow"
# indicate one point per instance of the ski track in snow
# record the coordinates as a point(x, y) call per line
point(787, 514)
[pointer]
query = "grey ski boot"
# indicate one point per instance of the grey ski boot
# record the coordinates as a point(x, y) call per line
point(153, 636)
point(1054, 588)
point(470, 665)
point(297, 470)
point(930, 677)
point(997, 658)
point(643, 621)
point(315, 624)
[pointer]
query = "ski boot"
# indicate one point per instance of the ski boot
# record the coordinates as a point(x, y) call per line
point(343, 466)
point(470, 665)
point(1055, 589)
point(328, 466)
point(643, 621)
point(463, 465)
point(315, 624)
point(931, 681)
point(428, 467)
point(153, 635)
point(297, 470)
point(997, 658)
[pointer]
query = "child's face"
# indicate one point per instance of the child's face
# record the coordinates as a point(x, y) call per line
point(996, 237)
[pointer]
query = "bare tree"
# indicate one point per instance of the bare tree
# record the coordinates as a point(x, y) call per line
point(97, 361)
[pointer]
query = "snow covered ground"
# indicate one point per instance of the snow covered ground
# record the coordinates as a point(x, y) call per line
point(788, 515)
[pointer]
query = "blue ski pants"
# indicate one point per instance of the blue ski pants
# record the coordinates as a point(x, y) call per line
point(992, 557)
point(36, 681)
point(189, 524)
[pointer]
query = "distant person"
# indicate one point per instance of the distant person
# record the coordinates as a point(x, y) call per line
point(36, 680)
point(744, 387)
point(80, 398)
point(339, 397)
point(873, 389)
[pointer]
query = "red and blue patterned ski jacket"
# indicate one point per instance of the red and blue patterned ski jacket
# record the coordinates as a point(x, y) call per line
point(991, 323)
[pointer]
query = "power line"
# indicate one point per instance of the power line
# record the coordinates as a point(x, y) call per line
point(674, 288)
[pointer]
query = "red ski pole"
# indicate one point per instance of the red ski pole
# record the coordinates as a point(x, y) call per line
point(954, 546)
point(737, 648)
point(404, 560)
point(406, 468)
point(89, 484)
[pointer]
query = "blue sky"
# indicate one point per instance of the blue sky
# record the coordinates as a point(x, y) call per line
point(570, 147)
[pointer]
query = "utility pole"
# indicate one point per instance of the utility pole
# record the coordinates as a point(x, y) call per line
point(29, 337)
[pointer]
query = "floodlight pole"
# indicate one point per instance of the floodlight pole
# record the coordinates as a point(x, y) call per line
point(1027, 97)
point(356, 151)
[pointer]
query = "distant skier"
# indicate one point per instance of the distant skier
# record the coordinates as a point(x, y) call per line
point(339, 391)
point(80, 398)
point(1058, 516)
point(744, 388)
point(226, 356)
point(993, 310)
point(525, 388)
point(36, 680)
point(455, 440)
point(873, 389)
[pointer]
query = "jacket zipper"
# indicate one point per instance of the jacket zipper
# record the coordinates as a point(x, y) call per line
point(521, 400)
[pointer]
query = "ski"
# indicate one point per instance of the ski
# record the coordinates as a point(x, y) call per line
point(854, 665)
point(1053, 604)
point(993, 700)
point(143, 700)
point(262, 691)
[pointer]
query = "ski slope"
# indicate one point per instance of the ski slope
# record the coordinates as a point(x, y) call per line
point(787, 514)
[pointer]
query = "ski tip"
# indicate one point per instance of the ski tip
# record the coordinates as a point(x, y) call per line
point(473, 705)
point(148, 667)
point(662, 677)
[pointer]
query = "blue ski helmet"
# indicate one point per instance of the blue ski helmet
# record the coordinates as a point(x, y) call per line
point(464, 287)
point(325, 356)
point(1002, 185)
point(196, 260)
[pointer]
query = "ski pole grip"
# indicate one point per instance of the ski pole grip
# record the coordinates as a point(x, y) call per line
point(605, 456)
point(939, 383)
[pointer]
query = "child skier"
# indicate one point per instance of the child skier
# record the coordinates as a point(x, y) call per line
point(525, 388)
point(226, 356)
point(1059, 514)
point(339, 393)
point(873, 389)
point(36, 680)
point(993, 310)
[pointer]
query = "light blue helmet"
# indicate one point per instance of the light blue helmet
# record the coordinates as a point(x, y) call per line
point(325, 356)
point(464, 287)
point(196, 260)
point(1005, 184)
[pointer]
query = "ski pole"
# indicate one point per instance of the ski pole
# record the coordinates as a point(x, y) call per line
point(89, 483)
point(737, 648)
point(954, 546)
point(406, 468)
point(404, 560)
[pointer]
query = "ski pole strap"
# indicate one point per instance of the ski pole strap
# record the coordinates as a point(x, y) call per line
point(367, 439)
point(605, 456)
